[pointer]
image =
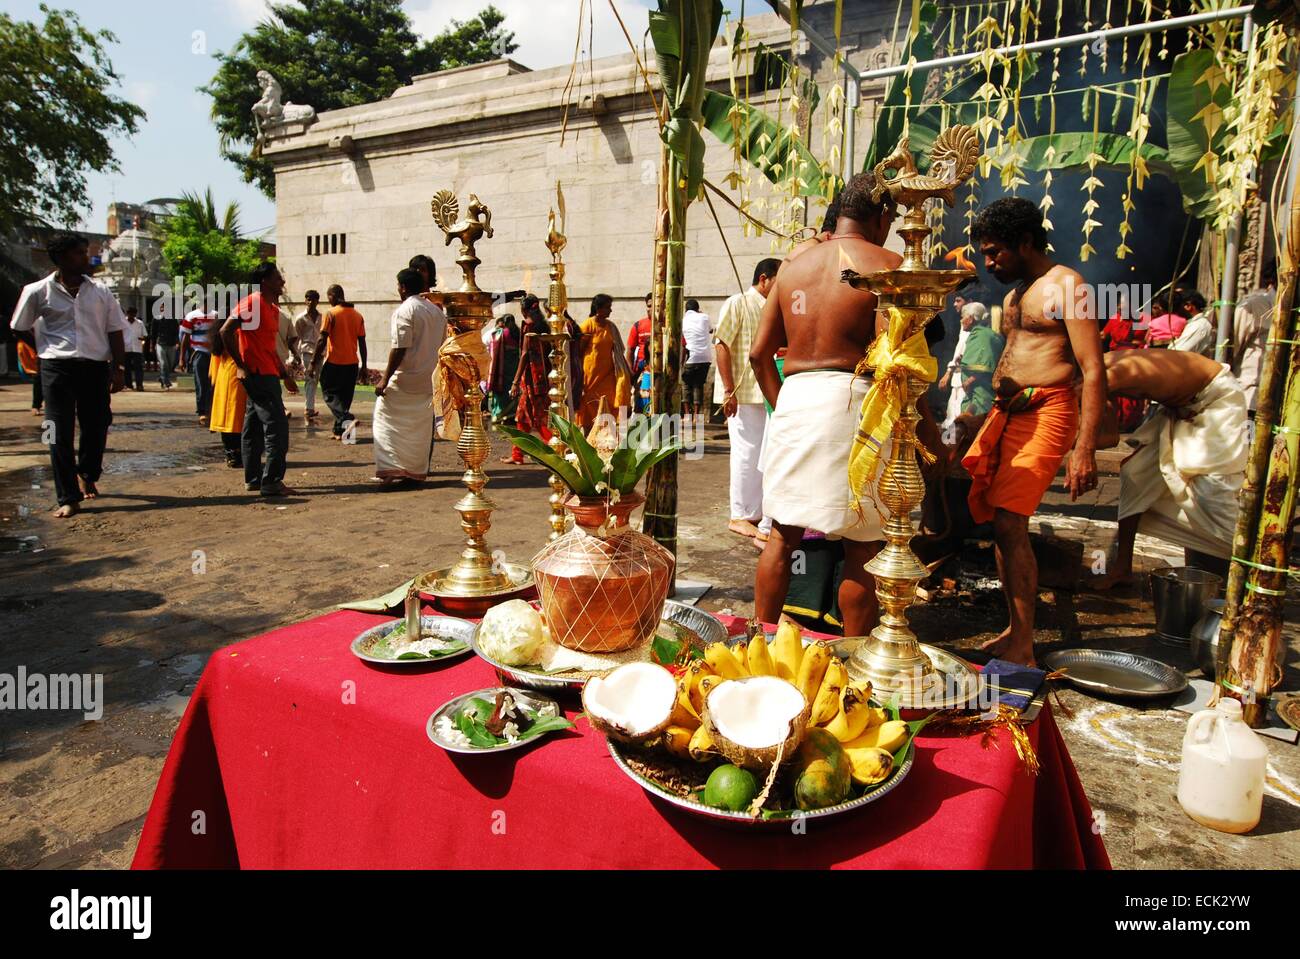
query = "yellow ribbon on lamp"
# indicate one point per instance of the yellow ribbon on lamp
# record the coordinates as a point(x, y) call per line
point(461, 360)
point(894, 361)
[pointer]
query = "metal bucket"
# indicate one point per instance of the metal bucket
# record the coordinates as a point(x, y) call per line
point(1180, 596)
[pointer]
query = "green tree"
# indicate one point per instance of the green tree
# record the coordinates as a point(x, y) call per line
point(333, 54)
point(57, 115)
point(199, 248)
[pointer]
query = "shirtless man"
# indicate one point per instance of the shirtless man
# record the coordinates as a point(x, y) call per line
point(825, 326)
point(1051, 342)
point(1191, 500)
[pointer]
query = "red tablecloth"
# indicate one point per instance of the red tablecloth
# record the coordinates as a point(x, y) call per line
point(295, 754)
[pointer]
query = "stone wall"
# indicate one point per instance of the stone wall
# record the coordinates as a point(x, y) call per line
point(494, 129)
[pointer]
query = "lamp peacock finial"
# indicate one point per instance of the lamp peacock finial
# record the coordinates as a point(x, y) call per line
point(952, 160)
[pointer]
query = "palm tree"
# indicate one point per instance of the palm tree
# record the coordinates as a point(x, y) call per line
point(203, 211)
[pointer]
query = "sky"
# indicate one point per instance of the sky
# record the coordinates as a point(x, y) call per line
point(164, 53)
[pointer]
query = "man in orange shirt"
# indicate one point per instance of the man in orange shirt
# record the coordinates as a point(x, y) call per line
point(249, 336)
point(342, 344)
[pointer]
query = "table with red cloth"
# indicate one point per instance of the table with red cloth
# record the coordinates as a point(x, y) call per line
point(293, 753)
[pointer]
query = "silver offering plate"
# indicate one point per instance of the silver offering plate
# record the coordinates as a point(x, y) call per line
point(444, 627)
point(1107, 672)
point(782, 821)
point(452, 708)
point(686, 620)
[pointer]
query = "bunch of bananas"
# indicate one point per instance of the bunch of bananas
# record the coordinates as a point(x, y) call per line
point(840, 707)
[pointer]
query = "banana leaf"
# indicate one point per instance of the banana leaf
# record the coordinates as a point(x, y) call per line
point(1073, 149)
point(764, 143)
point(682, 32)
point(1188, 103)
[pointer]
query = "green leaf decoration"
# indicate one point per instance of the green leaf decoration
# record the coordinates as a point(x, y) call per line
point(543, 454)
point(1070, 151)
point(1189, 140)
point(665, 650)
point(764, 143)
point(590, 465)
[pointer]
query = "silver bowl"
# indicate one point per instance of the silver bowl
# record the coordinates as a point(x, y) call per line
point(454, 706)
point(447, 627)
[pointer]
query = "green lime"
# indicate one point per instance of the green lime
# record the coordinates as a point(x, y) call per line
point(730, 787)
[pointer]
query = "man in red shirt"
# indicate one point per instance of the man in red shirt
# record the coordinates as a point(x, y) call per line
point(249, 335)
point(638, 343)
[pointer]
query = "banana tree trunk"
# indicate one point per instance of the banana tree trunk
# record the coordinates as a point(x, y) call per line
point(660, 518)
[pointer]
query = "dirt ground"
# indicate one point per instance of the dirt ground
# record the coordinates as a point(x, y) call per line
point(176, 559)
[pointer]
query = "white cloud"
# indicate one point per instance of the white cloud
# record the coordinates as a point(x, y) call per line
point(545, 32)
point(247, 13)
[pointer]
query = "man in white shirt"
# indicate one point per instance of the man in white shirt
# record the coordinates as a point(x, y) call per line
point(698, 333)
point(1198, 334)
point(1250, 325)
point(197, 329)
point(403, 422)
point(306, 329)
point(736, 390)
point(133, 342)
point(76, 328)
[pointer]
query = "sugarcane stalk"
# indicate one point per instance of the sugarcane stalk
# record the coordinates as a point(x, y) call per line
point(1264, 502)
point(660, 517)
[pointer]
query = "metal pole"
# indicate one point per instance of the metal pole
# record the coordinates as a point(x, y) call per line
point(1074, 40)
point(852, 97)
point(1232, 252)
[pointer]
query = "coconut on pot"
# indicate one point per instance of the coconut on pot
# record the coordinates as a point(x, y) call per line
point(750, 719)
point(633, 703)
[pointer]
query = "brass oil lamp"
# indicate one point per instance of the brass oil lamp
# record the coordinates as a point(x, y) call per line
point(478, 580)
point(896, 664)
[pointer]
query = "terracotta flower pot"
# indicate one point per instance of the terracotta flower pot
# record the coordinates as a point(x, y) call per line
point(602, 584)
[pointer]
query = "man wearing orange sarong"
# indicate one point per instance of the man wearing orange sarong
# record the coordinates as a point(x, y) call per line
point(603, 373)
point(1052, 356)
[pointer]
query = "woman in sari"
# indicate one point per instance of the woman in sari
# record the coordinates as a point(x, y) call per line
point(228, 403)
point(530, 386)
point(504, 350)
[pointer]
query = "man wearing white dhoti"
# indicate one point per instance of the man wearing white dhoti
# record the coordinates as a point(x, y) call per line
point(736, 391)
point(1181, 483)
point(403, 424)
point(825, 326)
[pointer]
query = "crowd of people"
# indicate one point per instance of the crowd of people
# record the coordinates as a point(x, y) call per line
point(1033, 382)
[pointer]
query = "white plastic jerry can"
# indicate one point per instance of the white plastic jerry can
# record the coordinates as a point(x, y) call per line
point(1221, 782)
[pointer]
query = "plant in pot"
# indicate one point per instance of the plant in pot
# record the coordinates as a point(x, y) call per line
point(602, 584)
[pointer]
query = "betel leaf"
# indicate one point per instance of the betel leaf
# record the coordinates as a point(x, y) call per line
point(544, 724)
point(665, 651)
point(472, 719)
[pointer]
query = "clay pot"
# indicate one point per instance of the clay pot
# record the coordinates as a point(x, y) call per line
point(602, 584)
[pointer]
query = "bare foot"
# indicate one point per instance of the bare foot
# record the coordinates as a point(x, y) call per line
point(743, 527)
point(66, 510)
point(1010, 650)
point(1111, 581)
point(36, 411)
point(511, 462)
point(88, 489)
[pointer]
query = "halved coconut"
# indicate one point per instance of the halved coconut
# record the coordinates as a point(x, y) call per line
point(631, 704)
point(750, 718)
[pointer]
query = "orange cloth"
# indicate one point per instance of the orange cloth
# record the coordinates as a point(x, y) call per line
point(344, 326)
point(259, 325)
point(28, 360)
point(1017, 452)
point(602, 374)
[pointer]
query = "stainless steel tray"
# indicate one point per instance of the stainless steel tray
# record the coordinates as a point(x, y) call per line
point(454, 706)
point(744, 819)
point(1111, 673)
point(445, 626)
point(705, 625)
